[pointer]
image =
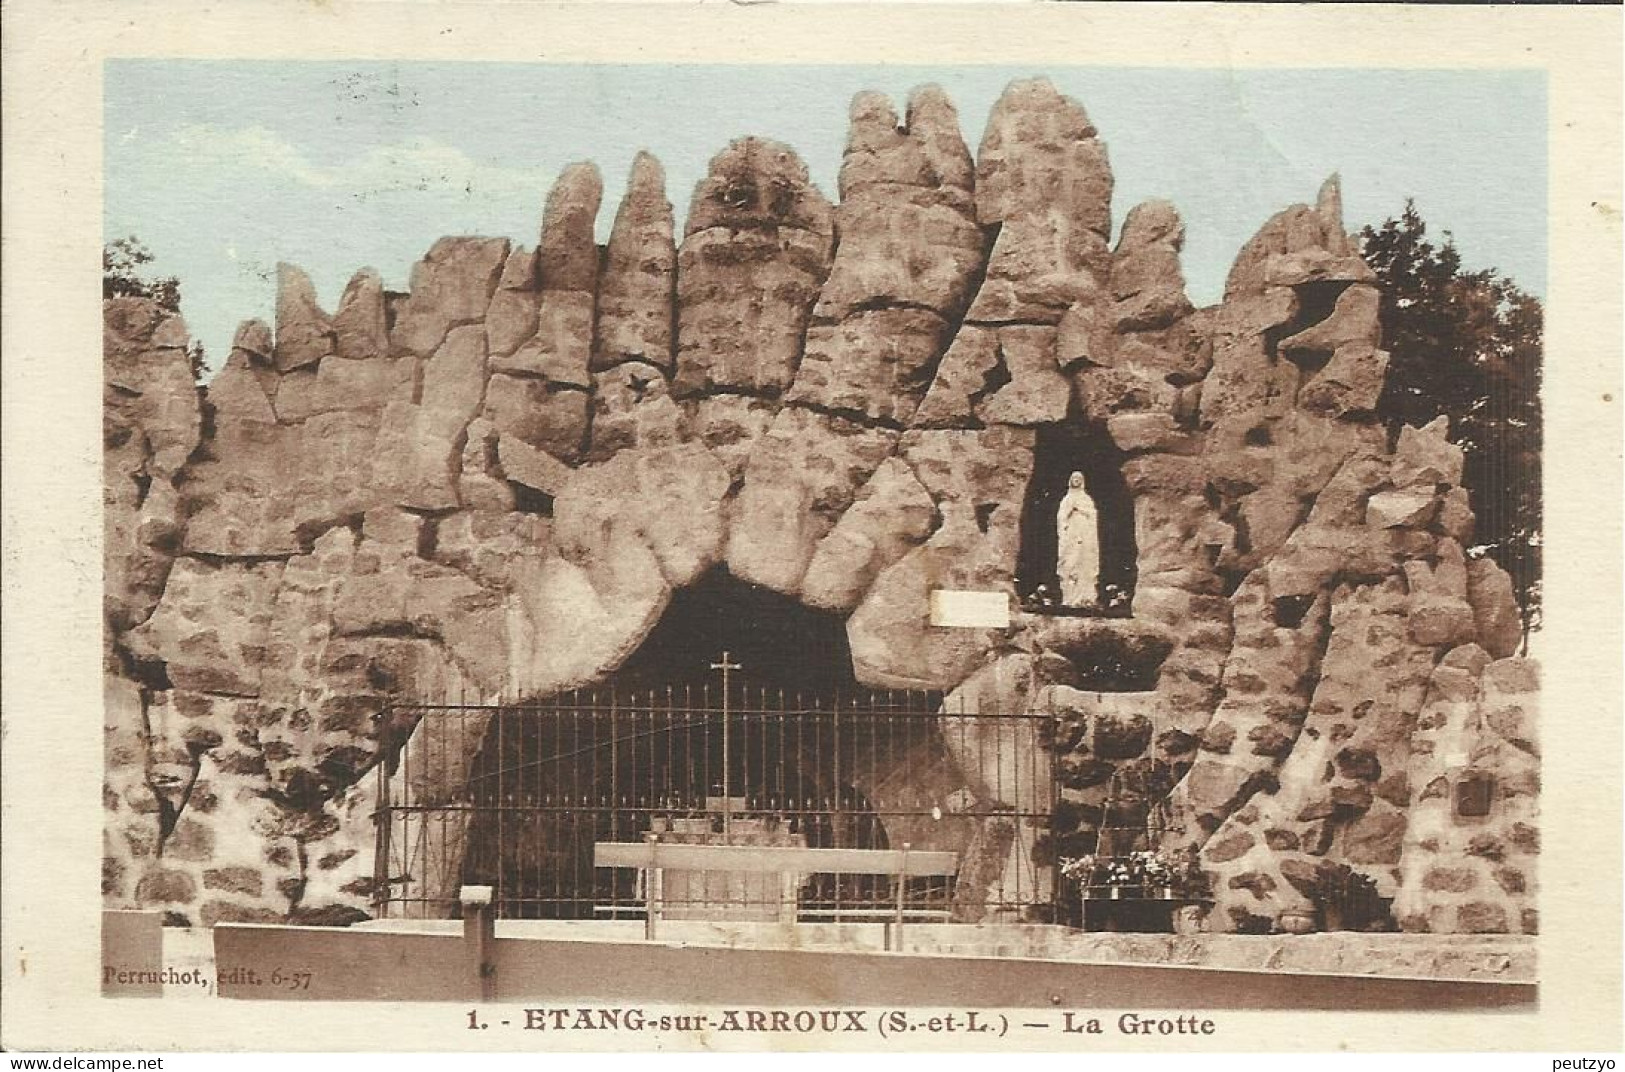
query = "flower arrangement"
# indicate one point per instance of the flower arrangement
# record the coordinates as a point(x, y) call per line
point(1175, 874)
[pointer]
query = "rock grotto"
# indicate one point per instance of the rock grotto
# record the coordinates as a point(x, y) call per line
point(494, 484)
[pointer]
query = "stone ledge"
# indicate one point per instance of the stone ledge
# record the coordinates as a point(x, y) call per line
point(1479, 957)
point(1497, 957)
point(1136, 643)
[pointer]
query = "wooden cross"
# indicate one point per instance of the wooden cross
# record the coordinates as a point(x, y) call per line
point(727, 666)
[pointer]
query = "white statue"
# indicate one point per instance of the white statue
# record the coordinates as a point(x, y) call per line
point(1078, 552)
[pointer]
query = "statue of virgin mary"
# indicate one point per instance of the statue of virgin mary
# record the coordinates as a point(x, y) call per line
point(1078, 552)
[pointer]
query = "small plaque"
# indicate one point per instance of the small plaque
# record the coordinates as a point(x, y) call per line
point(970, 610)
point(1474, 792)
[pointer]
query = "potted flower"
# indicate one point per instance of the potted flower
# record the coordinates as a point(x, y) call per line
point(1079, 870)
point(1156, 874)
point(1090, 873)
point(1120, 875)
point(1345, 899)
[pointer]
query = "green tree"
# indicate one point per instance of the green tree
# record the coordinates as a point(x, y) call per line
point(1467, 345)
point(124, 275)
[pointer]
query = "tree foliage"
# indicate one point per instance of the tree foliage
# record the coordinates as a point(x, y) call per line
point(1467, 345)
point(125, 275)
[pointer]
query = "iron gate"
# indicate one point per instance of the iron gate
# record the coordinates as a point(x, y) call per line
point(518, 796)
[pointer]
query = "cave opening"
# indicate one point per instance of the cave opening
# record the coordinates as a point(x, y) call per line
point(1061, 450)
point(778, 642)
point(789, 754)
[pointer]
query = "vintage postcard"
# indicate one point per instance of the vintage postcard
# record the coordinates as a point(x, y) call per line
point(630, 527)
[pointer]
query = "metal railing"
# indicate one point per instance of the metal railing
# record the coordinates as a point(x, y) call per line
point(520, 796)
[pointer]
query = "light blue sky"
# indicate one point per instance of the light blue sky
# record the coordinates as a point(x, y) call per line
point(224, 168)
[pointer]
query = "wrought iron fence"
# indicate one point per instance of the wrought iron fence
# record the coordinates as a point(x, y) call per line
point(523, 797)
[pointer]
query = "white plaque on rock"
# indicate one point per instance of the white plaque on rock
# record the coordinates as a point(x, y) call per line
point(970, 610)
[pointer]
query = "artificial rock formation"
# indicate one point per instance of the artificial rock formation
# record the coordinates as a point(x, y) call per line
point(494, 485)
